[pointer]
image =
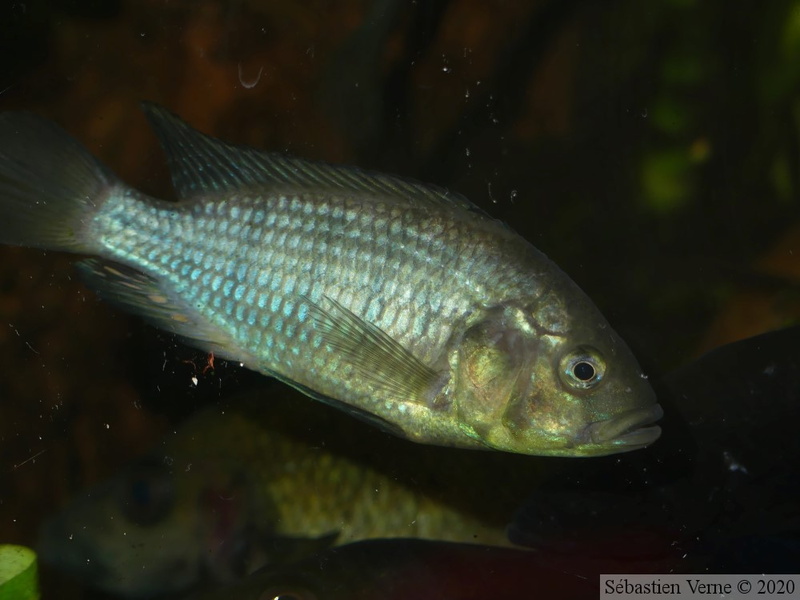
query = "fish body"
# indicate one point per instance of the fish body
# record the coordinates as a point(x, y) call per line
point(401, 303)
point(267, 480)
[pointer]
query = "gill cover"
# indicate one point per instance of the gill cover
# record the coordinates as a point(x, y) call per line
point(493, 369)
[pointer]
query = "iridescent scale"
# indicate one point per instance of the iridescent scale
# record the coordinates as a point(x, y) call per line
point(252, 265)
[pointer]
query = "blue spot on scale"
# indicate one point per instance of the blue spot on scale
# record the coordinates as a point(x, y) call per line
point(302, 312)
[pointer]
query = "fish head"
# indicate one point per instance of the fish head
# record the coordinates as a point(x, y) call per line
point(551, 378)
point(151, 529)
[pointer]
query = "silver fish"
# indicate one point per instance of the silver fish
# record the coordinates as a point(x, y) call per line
point(399, 302)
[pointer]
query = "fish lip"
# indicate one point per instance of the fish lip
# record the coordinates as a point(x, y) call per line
point(628, 430)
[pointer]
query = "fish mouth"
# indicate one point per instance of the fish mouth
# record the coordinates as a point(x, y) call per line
point(626, 431)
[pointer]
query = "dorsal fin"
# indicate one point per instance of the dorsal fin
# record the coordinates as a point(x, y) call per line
point(201, 164)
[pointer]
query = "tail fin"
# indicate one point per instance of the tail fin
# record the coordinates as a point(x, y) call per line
point(49, 185)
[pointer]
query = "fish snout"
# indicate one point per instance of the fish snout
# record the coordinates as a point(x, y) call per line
point(629, 430)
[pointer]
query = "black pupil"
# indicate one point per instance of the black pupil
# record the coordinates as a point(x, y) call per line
point(583, 371)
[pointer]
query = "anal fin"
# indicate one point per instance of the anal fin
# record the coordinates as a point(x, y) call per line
point(141, 294)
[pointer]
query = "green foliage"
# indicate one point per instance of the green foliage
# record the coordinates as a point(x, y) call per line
point(791, 32)
point(18, 573)
point(666, 179)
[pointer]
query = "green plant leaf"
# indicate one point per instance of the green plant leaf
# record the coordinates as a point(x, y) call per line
point(18, 573)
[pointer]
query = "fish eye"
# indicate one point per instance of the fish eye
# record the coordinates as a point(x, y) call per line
point(583, 368)
point(147, 495)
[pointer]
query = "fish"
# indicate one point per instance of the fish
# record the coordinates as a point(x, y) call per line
point(398, 569)
point(697, 503)
point(265, 478)
point(719, 493)
point(401, 303)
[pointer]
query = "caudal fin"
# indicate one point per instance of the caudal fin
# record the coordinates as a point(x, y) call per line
point(49, 185)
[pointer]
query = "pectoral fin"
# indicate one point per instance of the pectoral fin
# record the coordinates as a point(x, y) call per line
point(376, 356)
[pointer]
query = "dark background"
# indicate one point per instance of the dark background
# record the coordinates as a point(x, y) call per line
point(649, 148)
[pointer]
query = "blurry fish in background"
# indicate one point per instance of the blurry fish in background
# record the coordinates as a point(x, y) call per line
point(268, 480)
point(398, 302)
point(401, 569)
point(730, 503)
